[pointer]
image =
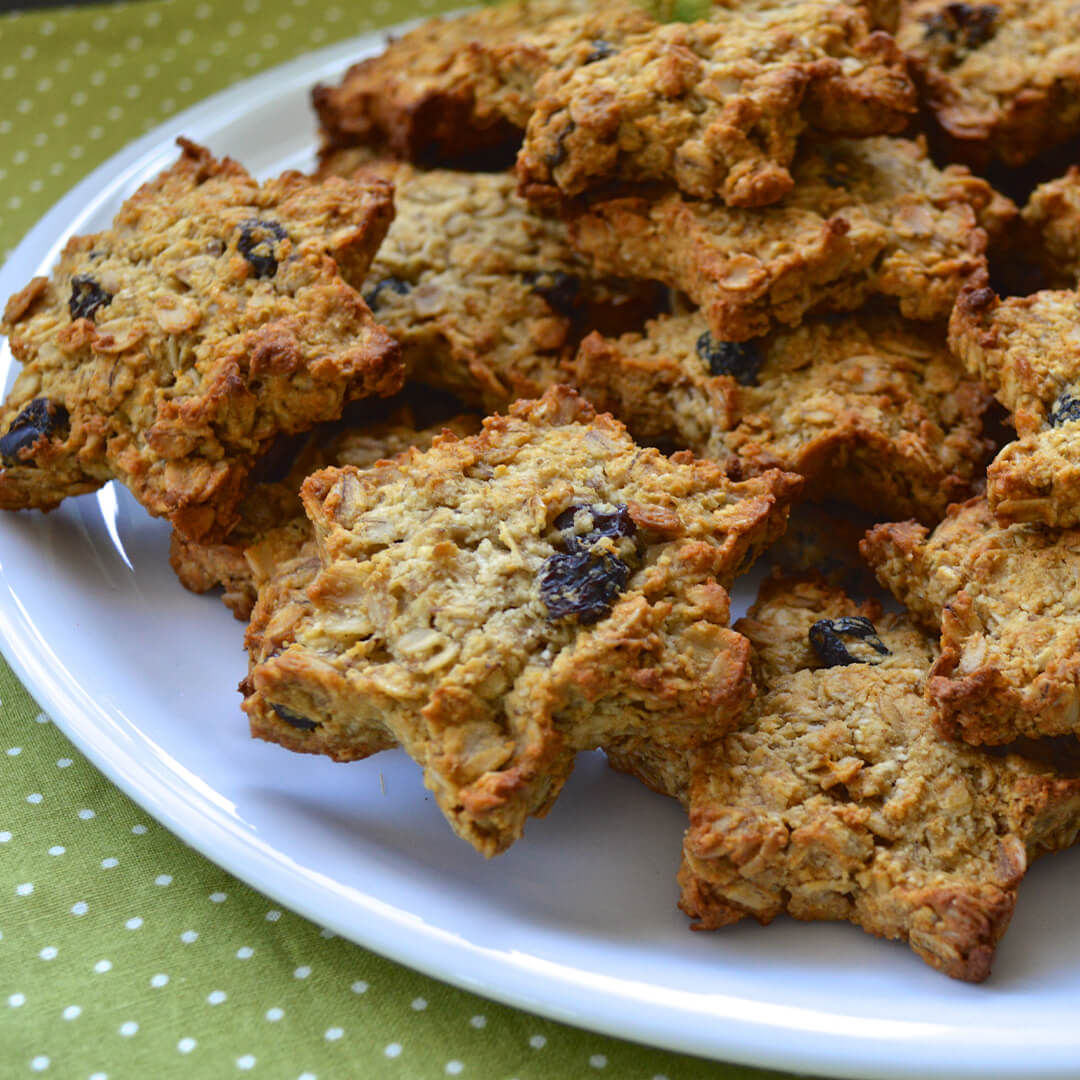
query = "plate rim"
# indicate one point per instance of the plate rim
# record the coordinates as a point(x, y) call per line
point(758, 1034)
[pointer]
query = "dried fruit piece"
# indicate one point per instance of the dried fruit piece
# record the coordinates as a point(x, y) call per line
point(258, 238)
point(561, 291)
point(1066, 409)
point(966, 25)
point(86, 297)
point(302, 723)
point(826, 634)
point(582, 584)
point(740, 360)
point(393, 284)
point(40, 418)
point(595, 523)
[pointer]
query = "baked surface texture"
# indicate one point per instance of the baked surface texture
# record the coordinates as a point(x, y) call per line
point(271, 513)
point(502, 601)
point(486, 298)
point(170, 349)
point(1002, 79)
point(866, 217)
point(835, 798)
point(716, 106)
point(1053, 213)
point(457, 89)
point(1027, 349)
point(1009, 616)
point(870, 408)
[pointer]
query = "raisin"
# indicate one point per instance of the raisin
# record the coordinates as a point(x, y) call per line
point(41, 417)
point(825, 637)
point(741, 360)
point(86, 297)
point(966, 25)
point(559, 154)
point(256, 244)
point(391, 284)
point(559, 290)
point(302, 723)
point(601, 50)
point(614, 523)
point(1066, 410)
point(582, 584)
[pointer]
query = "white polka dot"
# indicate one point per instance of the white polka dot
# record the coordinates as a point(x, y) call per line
point(57, 849)
point(537, 1042)
point(72, 1012)
point(272, 915)
point(246, 1062)
point(97, 78)
point(41, 718)
point(47, 27)
point(185, 36)
point(235, 28)
point(598, 1061)
point(138, 830)
point(25, 889)
point(40, 1063)
point(302, 972)
point(134, 43)
point(79, 908)
point(100, 23)
point(285, 21)
point(81, 48)
point(8, 71)
point(274, 1014)
point(318, 34)
point(245, 952)
point(188, 936)
point(184, 85)
point(63, 763)
point(133, 924)
point(132, 91)
point(159, 980)
point(20, 157)
point(23, 105)
point(28, 52)
point(14, 751)
point(40, 139)
point(63, 65)
point(98, 1076)
point(659, 1076)
point(454, 1068)
point(35, 185)
point(56, 168)
point(218, 897)
point(359, 987)
point(393, 1050)
point(478, 1021)
point(128, 1028)
point(307, 1076)
point(163, 879)
point(109, 863)
point(86, 815)
point(216, 997)
point(43, 85)
point(419, 1004)
point(185, 1046)
point(114, 112)
point(153, 18)
point(49, 952)
point(328, 934)
point(203, 11)
point(102, 966)
point(333, 1034)
point(151, 71)
point(16, 1000)
point(35, 797)
point(5, 836)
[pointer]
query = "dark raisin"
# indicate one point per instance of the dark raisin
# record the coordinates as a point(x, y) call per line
point(601, 50)
point(41, 417)
point(1066, 410)
point(258, 238)
point(582, 584)
point(86, 297)
point(741, 360)
point(966, 25)
point(825, 637)
point(302, 723)
point(559, 289)
point(558, 155)
point(391, 284)
point(615, 523)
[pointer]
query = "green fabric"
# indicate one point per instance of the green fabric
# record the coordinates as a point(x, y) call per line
point(123, 953)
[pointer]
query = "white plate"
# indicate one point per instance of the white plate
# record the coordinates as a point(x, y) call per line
point(578, 920)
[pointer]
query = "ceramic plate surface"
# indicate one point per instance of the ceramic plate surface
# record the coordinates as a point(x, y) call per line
point(578, 920)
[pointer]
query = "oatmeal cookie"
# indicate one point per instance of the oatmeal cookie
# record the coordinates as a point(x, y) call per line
point(835, 798)
point(871, 409)
point(1006, 598)
point(273, 506)
point(716, 106)
point(1002, 78)
point(486, 297)
point(866, 217)
point(1027, 349)
point(1053, 214)
point(502, 601)
point(455, 90)
point(170, 349)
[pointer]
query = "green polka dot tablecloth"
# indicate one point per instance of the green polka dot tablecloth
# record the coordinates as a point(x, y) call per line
point(123, 953)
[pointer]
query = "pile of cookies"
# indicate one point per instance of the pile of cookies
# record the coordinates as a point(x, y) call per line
point(582, 312)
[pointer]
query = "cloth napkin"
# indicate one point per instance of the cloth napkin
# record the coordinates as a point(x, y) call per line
point(123, 952)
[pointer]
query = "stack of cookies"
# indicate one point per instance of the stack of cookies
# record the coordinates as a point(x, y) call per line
point(582, 312)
